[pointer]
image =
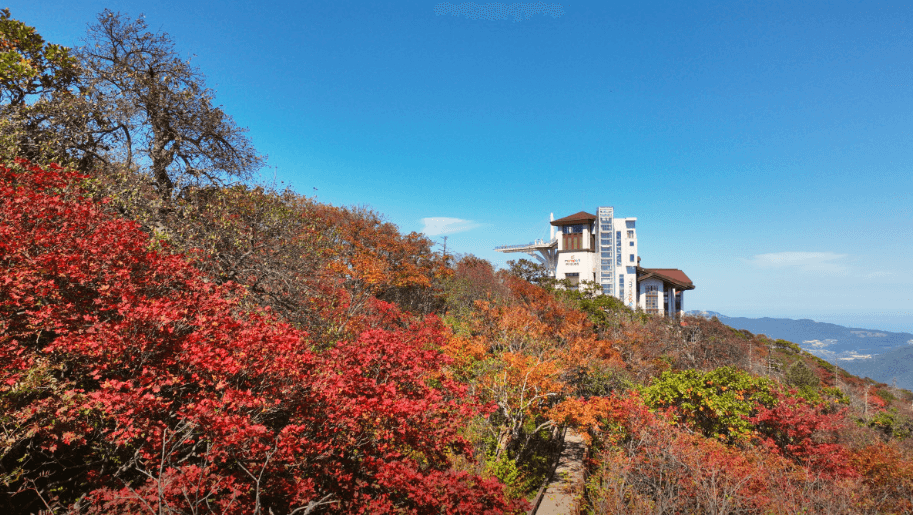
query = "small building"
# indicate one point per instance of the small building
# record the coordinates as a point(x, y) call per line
point(660, 290)
point(603, 249)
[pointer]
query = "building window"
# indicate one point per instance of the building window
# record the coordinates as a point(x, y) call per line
point(573, 241)
point(631, 243)
point(573, 279)
point(652, 304)
point(630, 234)
point(631, 258)
point(651, 288)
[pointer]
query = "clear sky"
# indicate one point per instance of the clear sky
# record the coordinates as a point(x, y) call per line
point(766, 147)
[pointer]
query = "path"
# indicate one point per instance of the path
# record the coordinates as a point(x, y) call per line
point(560, 496)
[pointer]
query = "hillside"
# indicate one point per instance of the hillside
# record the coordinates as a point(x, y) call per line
point(881, 355)
point(178, 338)
point(829, 341)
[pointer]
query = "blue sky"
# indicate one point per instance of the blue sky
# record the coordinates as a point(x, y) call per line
point(766, 148)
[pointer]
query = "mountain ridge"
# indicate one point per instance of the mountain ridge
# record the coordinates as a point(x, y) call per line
point(882, 355)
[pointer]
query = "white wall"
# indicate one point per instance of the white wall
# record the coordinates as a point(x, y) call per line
point(578, 261)
point(642, 292)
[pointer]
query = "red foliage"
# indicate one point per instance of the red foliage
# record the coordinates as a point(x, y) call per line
point(805, 432)
point(129, 378)
point(888, 472)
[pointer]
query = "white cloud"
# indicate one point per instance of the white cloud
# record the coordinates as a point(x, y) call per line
point(442, 225)
point(823, 262)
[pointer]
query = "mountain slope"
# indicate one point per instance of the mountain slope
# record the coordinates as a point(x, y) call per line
point(880, 355)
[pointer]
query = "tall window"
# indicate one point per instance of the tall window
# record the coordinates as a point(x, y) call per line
point(630, 234)
point(652, 306)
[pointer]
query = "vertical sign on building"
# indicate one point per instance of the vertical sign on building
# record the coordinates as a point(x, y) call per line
point(605, 236)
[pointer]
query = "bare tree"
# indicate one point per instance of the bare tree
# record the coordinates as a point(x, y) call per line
point(158, 111)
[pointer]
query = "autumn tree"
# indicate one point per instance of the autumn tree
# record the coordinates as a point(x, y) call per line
point(42, 114)
point(527, 270)
point(159, 113)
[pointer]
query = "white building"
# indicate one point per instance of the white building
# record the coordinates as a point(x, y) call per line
point(603, 249)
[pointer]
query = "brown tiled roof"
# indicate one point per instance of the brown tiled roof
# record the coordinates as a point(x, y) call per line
point(672, 275)
point(575, 218)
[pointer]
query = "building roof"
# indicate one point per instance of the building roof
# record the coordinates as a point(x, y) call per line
point(575, 218)
point(670, 275)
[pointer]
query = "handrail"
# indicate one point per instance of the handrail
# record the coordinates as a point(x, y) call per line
point(524, 245)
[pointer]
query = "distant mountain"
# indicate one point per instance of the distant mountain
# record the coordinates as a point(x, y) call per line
point(895, 364)
point(880, 355)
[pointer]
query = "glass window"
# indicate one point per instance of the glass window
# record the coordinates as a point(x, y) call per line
point(631, 243)
point(630, 234)
point(652, 302)
point(631, 258)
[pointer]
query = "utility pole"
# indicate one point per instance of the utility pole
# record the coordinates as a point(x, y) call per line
point(446, 262)
point(750, 367)
point(836, 378)
point(770, 350)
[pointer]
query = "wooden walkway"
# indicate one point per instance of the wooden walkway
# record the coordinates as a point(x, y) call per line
point(561, 493)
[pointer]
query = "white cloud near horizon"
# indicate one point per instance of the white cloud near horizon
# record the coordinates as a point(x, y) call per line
point(438, 225)
point(822, 262)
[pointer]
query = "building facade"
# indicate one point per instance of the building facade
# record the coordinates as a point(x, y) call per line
point(603, 249)
point(599, 248)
